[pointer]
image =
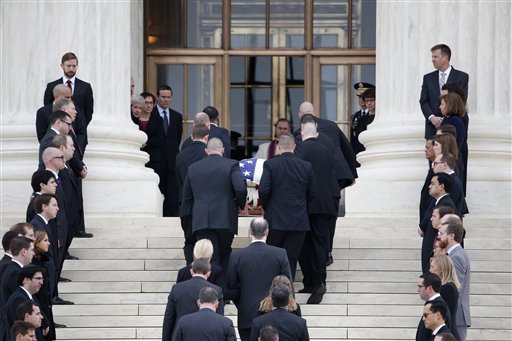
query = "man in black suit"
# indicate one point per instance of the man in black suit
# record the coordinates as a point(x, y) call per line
point(182, 299)
point(214, 190)
point(432, 84)
point(29, 311)
point(29, 280)
point(434, 315)
point(170, 122)
point(205, 324)
point(46, 207)
point(345, 159)
point(429, 286)
point(424, 196)
point(194, 152)
point(268, 333)
point(290, 326)
point(22, 331)
point(287, 185)
point(60, 123)
point(6, 245)
point(250, 274)
point(323, 208)
point(22, 250)
point(219, 132)
point(82, 91)
point(446, 164)
point(440, 187)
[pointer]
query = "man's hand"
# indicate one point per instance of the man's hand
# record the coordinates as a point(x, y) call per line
point(420, 232)
point(83, 173)
point(436, 121)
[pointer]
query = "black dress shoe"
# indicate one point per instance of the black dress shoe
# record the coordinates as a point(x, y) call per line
point(317, 295)
point(83, 234)
point(62, 279)
point(58, 325)
point(68, 256)
point(305, 290)
point(58, 300)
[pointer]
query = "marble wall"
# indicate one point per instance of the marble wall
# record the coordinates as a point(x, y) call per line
point(107, 38)
point(393, 167)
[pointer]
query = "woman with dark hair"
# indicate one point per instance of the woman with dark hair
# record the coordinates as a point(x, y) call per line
point(41, 247)
point(446, 144)
point(453, 109)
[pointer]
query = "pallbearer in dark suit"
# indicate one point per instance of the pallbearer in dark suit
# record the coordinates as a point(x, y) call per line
point(182, 299)
point(205, 324)
point(194, 152)
point(314, 254)
point(432, 84)
point(60, 123)
point(287, 185)
point(250, 274)
point(82, 91)
point(170, 124)
point(214, 190)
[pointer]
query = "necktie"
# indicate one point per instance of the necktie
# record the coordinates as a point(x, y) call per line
point(70, 86)
point(166, 122)
point(58, 183)
point(442, 81)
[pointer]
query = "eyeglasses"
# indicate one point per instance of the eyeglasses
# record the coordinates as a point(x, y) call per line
point(69, 124)
point(149, 103)
point(59, 157)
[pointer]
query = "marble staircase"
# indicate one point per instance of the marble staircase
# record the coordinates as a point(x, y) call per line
point(121, 282)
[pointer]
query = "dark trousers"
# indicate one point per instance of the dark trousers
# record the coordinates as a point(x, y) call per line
point(169, 188)
point(190, 240)
point(315, 250)
point(332, 228)
point(291, 241)
point(245, 333)
point(221, 240)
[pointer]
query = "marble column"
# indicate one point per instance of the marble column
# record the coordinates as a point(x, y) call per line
point(34, 37)
point(393, 166)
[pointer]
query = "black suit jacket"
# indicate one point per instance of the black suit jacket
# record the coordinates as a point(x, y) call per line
point(182, 300)
point(170, 143)
point(216, 277)
point(17, 297)
point(72, 196)
point(82, 96)
point(218, 132)
point(7, 287)
point(250, 274)
point(444, 329)
point(290, 326)
point(322, 161)
point(204, 325)
point(195, 151)
point(154, 143)
point(215, 189)
point(430, 93)
point(287, 185)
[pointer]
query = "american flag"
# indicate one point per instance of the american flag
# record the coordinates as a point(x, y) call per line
point(251, 169)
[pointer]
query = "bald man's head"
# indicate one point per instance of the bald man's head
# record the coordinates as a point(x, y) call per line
point(201, 118)
point(214, 146)
point(61, 91)
point(306, 108)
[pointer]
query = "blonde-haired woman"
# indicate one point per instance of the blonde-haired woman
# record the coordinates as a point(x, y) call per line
point(266, 303)
point(443, 266)
point(204, 249)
